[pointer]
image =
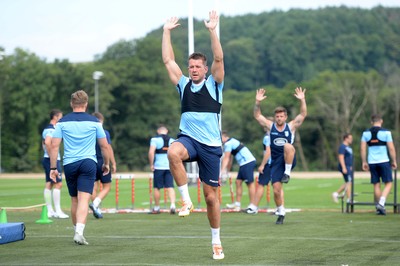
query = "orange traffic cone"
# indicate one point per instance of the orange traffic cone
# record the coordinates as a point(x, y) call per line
point(43, 218)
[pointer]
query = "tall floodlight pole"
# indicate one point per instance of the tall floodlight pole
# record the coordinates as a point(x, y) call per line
point(2, 55)
point(217, 9)
point(190, 28)
point(96, 76)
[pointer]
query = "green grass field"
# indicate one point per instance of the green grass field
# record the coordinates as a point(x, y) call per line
point(319, 234)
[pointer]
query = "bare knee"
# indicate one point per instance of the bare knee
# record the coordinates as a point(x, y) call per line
point(210, 197)
point(288, 148)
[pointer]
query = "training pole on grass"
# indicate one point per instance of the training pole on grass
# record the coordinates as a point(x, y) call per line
point(198, 192)
point(220, 191)
point(129, 177)
point(231, 190)
point(165, 197)
point(150, 191)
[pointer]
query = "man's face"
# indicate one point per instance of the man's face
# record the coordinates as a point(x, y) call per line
point(224, 138)
point(350, 139)
point(280, 118)
point(197, 70)
point(59, 116)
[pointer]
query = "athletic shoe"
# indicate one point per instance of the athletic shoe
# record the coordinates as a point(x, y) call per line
point(218, 253)
point(52, 214)
point(172, 211)
point(285, 178)
point(186, 209)
point(96, 212)
point(80, 239)
point(233, 206)
point(230, 205)
point(335, 196)
point(62, 215)
point(251, 211)
point(280, 219)
point(380, 210)
point(154, 211)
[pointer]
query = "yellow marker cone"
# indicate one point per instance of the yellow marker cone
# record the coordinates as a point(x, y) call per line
point(43, 218)
point(3, 216)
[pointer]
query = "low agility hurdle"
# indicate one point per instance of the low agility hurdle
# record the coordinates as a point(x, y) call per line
point(350, 205)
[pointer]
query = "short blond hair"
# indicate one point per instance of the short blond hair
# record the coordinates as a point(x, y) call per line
point(79, 99)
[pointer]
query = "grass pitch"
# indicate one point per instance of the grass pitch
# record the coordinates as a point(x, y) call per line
point(317, 235)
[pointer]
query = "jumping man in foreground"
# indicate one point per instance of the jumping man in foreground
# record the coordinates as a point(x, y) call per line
point(200, 134)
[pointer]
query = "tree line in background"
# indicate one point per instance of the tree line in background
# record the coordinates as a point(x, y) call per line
point(347, 58)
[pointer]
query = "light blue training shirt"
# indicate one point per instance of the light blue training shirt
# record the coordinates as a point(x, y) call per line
point(267, 143)
point(202, 126)
point(79, 132)
point(244, 156)
point(48, 132)
point(377, 154)
point(161, 161)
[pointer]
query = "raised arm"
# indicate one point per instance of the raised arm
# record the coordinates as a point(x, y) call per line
point(262, 120)
point(217, 66)
point(168, 55)
point(300, 94)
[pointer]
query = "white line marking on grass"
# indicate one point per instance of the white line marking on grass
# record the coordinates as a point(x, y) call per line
point(325, 185)
point(292, 187)
point(373, 240)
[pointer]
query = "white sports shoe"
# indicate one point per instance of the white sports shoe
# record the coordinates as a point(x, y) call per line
point(251, 211)
point(62, 215)
point(335, 196)
point(186, 209)
point(233, 206)
point(80, 239)
point(218, 253)
point(52, 214)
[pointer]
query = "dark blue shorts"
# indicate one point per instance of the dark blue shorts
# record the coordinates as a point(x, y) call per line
point(208, 159)
point(349, 176)
point(163, 179)
point(80, 176)
point(380, 171)
point(278, 168)
point(99, 173)
point(265, 178)
point(246, 172)
point(46, 167)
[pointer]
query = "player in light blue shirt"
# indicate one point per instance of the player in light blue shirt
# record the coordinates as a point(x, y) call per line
point(159, 165)
point(78, 131)
point(379, 143)
point(246, 162)
point(52, 190)
point(200, 140)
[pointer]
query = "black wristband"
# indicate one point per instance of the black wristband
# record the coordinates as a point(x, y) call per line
point(53, 168)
